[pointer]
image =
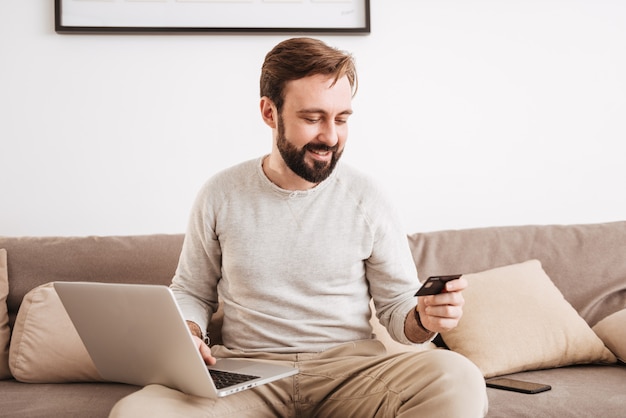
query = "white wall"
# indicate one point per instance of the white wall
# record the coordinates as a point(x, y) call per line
point(471, 113)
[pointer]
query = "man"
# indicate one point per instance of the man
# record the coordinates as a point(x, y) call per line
point(295, 245)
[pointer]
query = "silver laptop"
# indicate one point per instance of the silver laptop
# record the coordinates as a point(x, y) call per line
point(136, 334)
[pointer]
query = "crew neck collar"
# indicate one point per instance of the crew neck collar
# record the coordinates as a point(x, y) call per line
point(293, 193)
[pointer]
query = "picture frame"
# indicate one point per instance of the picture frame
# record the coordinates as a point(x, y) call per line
point(244, 16)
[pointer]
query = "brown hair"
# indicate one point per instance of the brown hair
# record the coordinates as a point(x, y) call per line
point(302, 57)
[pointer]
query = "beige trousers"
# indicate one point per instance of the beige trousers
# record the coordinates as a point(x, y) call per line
point(351, 380)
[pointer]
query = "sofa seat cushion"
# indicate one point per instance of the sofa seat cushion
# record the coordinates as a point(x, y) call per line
point(516, 319)
point(577, 391)
point(67, 400)
point(45, 347)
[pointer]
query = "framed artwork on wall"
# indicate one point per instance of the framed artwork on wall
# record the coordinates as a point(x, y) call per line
point(319, 16)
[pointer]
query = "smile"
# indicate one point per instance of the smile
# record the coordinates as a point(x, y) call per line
point(320, 155)
point(320, 152)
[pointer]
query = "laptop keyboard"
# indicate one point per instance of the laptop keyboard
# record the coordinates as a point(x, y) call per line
point(223, 379)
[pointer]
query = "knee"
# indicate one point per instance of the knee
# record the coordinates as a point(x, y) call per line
point(458, 370)
point(457, 385)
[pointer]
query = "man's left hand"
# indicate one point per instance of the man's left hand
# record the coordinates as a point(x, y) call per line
point(442, 312)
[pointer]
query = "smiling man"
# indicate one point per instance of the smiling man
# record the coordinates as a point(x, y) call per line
point(295, 244)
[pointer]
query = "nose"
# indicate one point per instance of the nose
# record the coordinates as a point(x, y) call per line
point(328, 134)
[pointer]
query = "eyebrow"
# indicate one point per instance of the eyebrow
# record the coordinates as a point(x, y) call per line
point(321, 111)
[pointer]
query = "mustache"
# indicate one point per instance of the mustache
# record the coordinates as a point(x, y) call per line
point(321, 147)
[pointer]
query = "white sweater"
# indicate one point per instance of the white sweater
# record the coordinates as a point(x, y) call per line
point(295, 270)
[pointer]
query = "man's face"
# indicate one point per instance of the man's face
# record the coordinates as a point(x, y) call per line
point(312, 128)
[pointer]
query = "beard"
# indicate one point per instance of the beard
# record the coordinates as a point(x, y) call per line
point(295, 158)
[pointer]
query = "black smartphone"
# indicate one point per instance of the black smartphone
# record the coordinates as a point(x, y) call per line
point(435, 284)
point(514, 385)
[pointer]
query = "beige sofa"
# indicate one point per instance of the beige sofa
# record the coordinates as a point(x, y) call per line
point(532, 319)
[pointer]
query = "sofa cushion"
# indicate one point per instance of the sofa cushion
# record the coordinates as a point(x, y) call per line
point(66, 400)
point(612, 331)
point(5, 331)
point(45, 347)
point(577, 392)
point(586, 262)
point(516, 319)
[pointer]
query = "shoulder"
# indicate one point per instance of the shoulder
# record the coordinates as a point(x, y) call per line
point(231, 177)
point(358, 185)
point(223, 185)
point(372, 199)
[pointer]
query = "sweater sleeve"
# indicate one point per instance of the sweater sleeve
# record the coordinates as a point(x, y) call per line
point(390, 270)
point(195, 282)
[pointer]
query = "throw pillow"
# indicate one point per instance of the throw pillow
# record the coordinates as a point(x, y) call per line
point(45, 347)
point(516, 319)
point(612, 332)
point(5, 331)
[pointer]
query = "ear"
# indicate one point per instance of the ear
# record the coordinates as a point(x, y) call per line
point(269, 113)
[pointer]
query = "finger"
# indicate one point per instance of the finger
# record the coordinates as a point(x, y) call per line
point(450, 298)
point(441, 318)
point(444, 324)
point(457, 285)
point(207, 356)
point(440, 312)
point(205, 351)
point(424, 300)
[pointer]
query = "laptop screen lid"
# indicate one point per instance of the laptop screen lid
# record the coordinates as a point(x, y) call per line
point(136, 334)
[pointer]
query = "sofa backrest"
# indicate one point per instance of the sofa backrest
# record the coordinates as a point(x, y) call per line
point(32, 261)
point(586, 262)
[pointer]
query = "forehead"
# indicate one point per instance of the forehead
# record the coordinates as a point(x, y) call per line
point(318, 91)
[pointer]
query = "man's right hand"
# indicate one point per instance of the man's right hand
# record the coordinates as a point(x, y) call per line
point(205, 351)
